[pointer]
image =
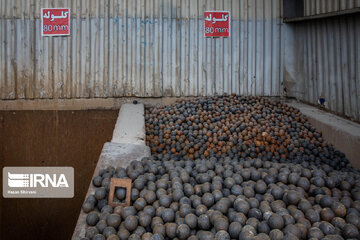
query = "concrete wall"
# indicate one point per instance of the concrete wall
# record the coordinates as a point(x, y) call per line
point(342, 133)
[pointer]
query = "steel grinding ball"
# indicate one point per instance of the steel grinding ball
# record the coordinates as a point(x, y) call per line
point(241, 206)
point(107, 209)
point(168, 215)
point(350, 231)
point(222, 235)
point(276, 234)
point(339, 209)
point(128, 211)
point(139, 204)
point(204, 222)
point(235, 229)
point(97, 181)
point(315, 232)
point(99, 237)
point(159, 229)
point(183, 231)
point(191, 220)
point(113, 237)
point(193, 237)
point(276, 221)
point(91, 232)
point(170, 229)
point(101, 225)
point(165, 201)
point(120, 193)
point(109, 231)
point(263, 227)
point(131, 223)
point(92, 218)
point(123, 233)
point(88, 206)
point(221, 224)
point(113, 220)
point(144, 219)
point(100, 193)
point(248, 232)
point(134, 237)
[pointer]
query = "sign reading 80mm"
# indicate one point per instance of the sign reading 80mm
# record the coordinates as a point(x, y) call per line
point(217, 23)
point(55, 21)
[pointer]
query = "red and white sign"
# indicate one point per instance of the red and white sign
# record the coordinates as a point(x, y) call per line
point(217, 23)
point(55, 21)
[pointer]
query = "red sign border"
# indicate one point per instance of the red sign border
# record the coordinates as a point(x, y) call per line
point(54, 35)
point(229, 25)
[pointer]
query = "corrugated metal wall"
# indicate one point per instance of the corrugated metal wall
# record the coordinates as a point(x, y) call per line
point(327, 63)
point(140, 48)
point(312, 7)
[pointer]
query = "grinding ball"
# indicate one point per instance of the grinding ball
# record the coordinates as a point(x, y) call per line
point(222, 235)
point(183, 231)
point(92, 218)
point(108, 231)
point(99, 237)
point(170, 229)
point(131, 223)
point(113, 220)
point(91, 232)
point(191, 220)
point(123, 234)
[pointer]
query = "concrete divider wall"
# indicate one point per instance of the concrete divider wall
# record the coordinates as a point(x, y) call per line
point(340, 132)
point(128, 144)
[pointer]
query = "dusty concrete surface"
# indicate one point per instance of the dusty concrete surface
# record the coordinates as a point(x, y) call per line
point(130, 125)
point(82, 103)
point(50, 138)
point(116, 155)
point(342, 133)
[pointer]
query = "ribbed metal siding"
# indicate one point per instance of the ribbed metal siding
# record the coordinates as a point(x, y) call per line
point(140, 48)
point(312, 7)
point(328, 63)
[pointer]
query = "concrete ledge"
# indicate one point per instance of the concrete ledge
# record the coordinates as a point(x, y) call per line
point(116, 155)
point(342, 133)
point(81, 103)
point(130, 125)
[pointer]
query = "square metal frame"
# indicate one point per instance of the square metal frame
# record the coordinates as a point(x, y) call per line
point(123, 183)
